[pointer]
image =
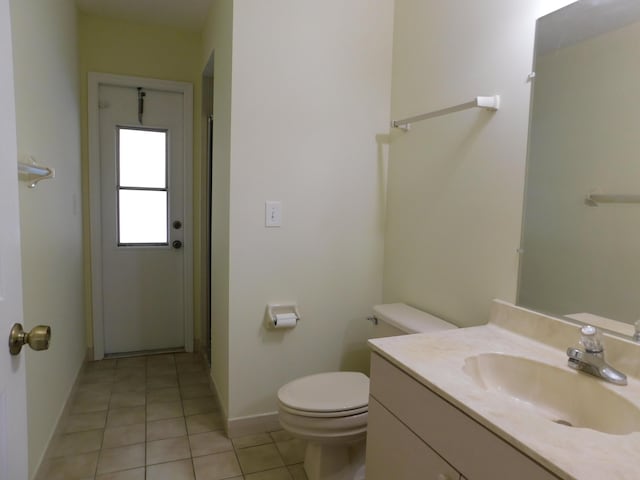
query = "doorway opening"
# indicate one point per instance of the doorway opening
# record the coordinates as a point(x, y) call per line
point(207, 183)
point(140, 168)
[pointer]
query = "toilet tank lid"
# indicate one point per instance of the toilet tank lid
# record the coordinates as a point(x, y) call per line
point(409, 319)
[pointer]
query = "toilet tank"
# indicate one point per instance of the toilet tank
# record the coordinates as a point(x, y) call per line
point(401, 319)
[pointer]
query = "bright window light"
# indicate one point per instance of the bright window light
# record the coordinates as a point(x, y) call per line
point(143, 217)
point(142, 187)
point(142, 158)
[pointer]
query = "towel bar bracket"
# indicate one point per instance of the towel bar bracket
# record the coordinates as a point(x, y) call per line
point(33, 173)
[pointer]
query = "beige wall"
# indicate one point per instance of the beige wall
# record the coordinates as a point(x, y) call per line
point(300, 100)
point(310, 93)
point(48, 121)
point(301, 97)
point(217, 41)
point(579, 258)
point(124, 48)
point(455, 186)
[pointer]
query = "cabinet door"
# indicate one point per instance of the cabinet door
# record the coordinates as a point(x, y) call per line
point(395, 452)
point(476, 452)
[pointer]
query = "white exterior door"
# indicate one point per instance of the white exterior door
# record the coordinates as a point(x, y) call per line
point(143, 222)
point(13, 415)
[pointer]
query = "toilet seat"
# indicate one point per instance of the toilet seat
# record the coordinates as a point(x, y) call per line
point(332, 394)
point(338, 414)
point(326, 407)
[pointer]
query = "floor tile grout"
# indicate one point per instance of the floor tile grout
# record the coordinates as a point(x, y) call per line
point(102, 381)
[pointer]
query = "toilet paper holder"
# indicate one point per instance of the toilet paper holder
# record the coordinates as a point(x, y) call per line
point(288, 310)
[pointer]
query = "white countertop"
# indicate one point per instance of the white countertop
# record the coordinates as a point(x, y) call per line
point(437, 360)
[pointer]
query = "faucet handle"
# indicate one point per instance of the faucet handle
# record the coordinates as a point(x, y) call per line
point(591, 339)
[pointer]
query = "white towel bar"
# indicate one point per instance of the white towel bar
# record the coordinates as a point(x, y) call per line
point(594, 199)
point(491, 103)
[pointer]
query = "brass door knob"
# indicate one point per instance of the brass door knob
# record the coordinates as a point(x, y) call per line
point(38, 338)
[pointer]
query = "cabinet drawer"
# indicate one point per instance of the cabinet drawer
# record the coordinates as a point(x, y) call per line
point(475, 451)
point(395, 452)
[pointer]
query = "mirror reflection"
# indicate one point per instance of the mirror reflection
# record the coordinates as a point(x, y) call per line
point(580, 258)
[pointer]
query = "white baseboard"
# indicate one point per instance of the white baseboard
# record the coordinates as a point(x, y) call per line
point(240, 426)
point(64, 414)
point(250, 425)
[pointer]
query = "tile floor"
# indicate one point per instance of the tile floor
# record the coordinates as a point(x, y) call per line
point(156, 418)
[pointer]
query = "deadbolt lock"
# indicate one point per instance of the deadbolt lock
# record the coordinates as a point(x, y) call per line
point(38, 338)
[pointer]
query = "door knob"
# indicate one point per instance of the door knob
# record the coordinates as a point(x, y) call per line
point(38, 338)
point(176, 244)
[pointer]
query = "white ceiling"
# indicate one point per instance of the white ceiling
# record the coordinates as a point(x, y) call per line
point(188, 14)
point(583, 20)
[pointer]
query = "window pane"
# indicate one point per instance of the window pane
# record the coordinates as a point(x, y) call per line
point(143, 216)
point(143, 158)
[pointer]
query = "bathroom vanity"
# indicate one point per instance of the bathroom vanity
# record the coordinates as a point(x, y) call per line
point(413, 429)
point(499, 402)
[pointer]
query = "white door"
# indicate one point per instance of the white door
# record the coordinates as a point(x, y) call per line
point(13, 415)
point(143, 218)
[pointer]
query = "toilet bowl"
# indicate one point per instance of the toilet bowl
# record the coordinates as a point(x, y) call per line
point(329, 410)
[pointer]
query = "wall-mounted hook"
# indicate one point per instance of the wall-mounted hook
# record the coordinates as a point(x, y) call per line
point(141, 95)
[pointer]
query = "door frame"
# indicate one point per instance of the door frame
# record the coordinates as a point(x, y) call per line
point(14, 445)
point(186, 89)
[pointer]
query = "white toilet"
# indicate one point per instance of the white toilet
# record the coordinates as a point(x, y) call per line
point(329, 410)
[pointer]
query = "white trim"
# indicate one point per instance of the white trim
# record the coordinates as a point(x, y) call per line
point(241, 426)
point(58, 431)
point(95, 80)
point(216, 390)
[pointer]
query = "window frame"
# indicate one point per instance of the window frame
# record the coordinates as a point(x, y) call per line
point(119, 187)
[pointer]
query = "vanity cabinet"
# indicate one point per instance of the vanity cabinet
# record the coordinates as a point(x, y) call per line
point(415, 433)
point(395, 452)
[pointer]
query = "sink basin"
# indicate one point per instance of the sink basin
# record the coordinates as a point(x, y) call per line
point(563, 396)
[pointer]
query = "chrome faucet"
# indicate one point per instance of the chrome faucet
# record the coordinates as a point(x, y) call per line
point(591, 359)
point(636, 335)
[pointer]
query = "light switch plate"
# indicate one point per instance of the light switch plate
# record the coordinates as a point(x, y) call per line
point(272, 213)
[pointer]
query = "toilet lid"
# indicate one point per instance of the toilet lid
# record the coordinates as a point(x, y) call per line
point(326, 392)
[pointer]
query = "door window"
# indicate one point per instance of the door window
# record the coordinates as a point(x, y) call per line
point(142, 186)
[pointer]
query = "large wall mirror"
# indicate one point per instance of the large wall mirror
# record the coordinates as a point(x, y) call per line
point(581, 258)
